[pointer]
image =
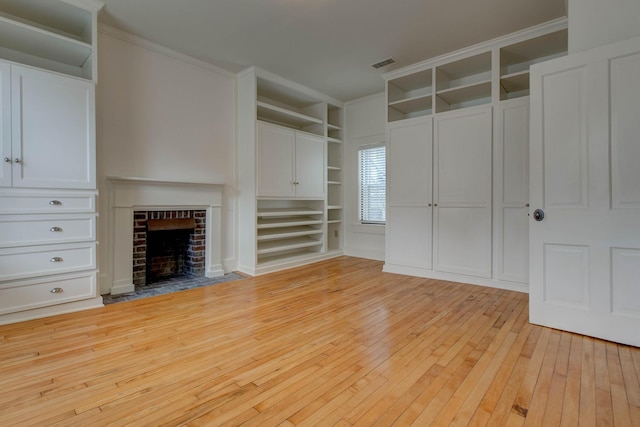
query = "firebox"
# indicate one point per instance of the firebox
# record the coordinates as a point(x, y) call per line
point(168, 244)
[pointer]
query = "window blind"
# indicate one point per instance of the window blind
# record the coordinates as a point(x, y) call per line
point(373, 184)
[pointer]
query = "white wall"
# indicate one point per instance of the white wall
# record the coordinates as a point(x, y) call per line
point(162, 115)
point(365, 121)
point(594, 23)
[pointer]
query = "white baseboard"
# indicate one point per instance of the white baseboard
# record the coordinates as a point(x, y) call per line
point(377, 255)
point(52, 310)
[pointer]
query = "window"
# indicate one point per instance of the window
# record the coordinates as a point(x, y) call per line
point(373, 184)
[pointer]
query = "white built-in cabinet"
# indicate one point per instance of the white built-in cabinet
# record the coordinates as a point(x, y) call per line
point(457, 167)
point(47, 179)
point(289, 174)
point(52, 120)
point(290, 163)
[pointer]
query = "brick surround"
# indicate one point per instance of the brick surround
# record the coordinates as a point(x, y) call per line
point(193, 264)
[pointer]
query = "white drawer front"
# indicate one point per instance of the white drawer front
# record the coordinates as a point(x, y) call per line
point(46, 229)
point(20, 263)
point(15, 203)
point(40, 294)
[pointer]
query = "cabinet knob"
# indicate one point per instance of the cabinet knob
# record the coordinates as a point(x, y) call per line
point(57, 290)
point(526, 205)
point(56, 259)
point(55, 203)
point(16, 160)
point(429, 204)
point(435, 204)
point(7, 160)
point(55, 229)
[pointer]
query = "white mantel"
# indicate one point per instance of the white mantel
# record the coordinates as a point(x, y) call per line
point(130, 194)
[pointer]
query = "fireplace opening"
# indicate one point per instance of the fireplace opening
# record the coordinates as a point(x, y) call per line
point(168, 245)
point(167, 249)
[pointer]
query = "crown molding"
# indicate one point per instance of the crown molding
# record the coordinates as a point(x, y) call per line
point(109, 31)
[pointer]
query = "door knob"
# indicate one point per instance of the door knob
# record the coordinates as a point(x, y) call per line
point(538, 214)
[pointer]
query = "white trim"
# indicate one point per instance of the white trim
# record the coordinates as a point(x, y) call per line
point(452, 277)
point(368, 228)
point(90, 5)
point(364, 253)
point(109, 31)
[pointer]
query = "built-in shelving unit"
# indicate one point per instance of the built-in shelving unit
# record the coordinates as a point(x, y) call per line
point(280, 105)
point(410, 96)
point(54, 35)
point(471, 77)
point(463, 83)
point(515, 60)
point(335, 135)
point(285, 221)
point(288, 226)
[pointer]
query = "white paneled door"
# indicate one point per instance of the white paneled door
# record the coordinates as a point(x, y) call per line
point(585, 193)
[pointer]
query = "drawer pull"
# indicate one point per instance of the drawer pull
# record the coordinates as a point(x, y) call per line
point(57, 290)
point(55, 229)
point(56, 259)
point(55, 203)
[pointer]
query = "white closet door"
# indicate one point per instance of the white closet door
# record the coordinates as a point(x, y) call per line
point(53, 130)
point(5, 125)
point(462, 192)
point(409, 193)
point(585, 152)
point(275, 158)
point(511, 165)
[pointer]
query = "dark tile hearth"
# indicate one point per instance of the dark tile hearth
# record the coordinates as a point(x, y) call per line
point(169, 286)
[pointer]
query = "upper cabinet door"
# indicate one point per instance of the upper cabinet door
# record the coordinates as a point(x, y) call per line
point(53, 130)
point(310, 166)
point(5, 125)
point(275, 160)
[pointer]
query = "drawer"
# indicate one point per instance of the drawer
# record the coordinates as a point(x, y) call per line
point(35, 294)
point(27, 203)
point(18, 263)
point(23, 230)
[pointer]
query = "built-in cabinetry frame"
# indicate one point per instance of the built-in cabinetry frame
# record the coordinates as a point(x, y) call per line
point(463, 214)
point(48, 153)
point(289, 173)
point(55, 35)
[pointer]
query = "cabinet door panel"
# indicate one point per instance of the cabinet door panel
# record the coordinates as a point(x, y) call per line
point(408, 236)
point(462, 183)
point(53, 130)
point(275, 161)
point(511, 164)
point(310, 166)
point(409, 160)
point(5, 125)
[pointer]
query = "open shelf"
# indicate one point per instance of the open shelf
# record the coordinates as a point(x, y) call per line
point(280, 115)
point(288, 211)
point(410, 95)
point(287, 232)
point(286, 244)
point(516, 59)
point(53, 35)
point(293, 221)
point(468, 95)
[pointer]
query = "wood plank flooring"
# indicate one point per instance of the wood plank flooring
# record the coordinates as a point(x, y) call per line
point(338, 343)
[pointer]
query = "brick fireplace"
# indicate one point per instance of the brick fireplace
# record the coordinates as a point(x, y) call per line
point(134, 201)
point(168, 244)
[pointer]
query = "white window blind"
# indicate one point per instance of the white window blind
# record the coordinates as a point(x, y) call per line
point(373, 184)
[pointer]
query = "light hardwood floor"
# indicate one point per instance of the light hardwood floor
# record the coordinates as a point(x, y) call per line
point(337, 343)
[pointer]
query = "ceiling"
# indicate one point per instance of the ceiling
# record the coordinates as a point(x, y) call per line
point(328, 45)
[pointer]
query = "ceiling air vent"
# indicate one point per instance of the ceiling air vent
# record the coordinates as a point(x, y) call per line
point(383, 63)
